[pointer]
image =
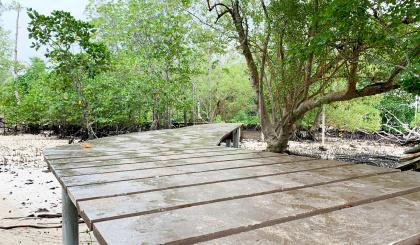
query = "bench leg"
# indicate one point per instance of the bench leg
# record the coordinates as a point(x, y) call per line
point(70, 221)
point(228, 141)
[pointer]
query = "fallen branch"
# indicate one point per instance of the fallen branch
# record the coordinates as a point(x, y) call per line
point(39, 216)
point(33, 226)
point(29, 226)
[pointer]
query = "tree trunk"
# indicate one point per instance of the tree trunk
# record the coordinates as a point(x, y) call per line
point(280, 142)
point(168, 117)
point(155, 117)
point(85, 108)
point(185, 118)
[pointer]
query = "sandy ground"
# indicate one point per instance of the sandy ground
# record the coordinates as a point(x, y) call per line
point(27, 188)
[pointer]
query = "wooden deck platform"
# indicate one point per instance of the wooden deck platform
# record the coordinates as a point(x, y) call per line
point(179, 187)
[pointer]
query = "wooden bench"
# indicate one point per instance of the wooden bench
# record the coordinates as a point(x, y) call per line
point(180, 186)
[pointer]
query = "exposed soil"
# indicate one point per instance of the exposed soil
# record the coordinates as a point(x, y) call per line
point(357, 151)
point(27, 188)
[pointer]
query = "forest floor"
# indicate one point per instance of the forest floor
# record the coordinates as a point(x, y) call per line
point(28, 188)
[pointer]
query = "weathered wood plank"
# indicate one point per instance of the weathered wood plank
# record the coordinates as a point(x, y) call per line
point(193, 224)
point(213, 161)
point(152, 172)
point(162, 182)
point(87, 154)
point(146, 155)
point(57, 165)
point(159, 201)
point(408, 163)
point(390, 221)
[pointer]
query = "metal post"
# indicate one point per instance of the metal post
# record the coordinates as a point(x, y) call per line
point(70, 221)
point(236, 138)
point(228, 141)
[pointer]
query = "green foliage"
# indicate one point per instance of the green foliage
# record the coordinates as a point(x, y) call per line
point(357, 114)
point(411, 84)
point(5, 55)
point(416, 121)
point(225, 91)
point(246, 117)
point(396, 109)
point(155, 58)
point(61, 34)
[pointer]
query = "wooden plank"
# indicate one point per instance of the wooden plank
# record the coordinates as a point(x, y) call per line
point(407, 164)
point(211, 221)
point(218, 161)
point(150, 150)
point(162, 182)
point(144, 155)
point(151, 202)
point(391, 221)
point(253, 162)
point(58, 164)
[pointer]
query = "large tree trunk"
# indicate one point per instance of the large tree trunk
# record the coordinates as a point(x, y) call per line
point(278, 140)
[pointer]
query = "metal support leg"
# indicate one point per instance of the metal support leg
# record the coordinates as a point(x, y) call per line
point(70, 221)
point(236, 138)
point(228, 141)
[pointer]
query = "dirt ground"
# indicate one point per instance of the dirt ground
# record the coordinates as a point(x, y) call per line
point(358, 151)
point(27, 188)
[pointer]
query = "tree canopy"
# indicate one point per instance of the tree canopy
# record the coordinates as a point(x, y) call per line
point(302, 54)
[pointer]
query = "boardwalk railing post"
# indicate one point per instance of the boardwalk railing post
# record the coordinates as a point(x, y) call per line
point(236, 137)
point(70, 221)
point(228, 142)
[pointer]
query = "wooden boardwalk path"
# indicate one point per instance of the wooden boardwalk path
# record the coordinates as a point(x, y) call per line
point(178, 187)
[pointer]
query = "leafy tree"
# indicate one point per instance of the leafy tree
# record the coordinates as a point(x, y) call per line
point(31, 106)
point(230, 93)
point(155, 56)
point(308, 53)
point(70, 47)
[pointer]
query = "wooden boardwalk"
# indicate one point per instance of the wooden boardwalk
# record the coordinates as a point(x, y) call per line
point(178, 187)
